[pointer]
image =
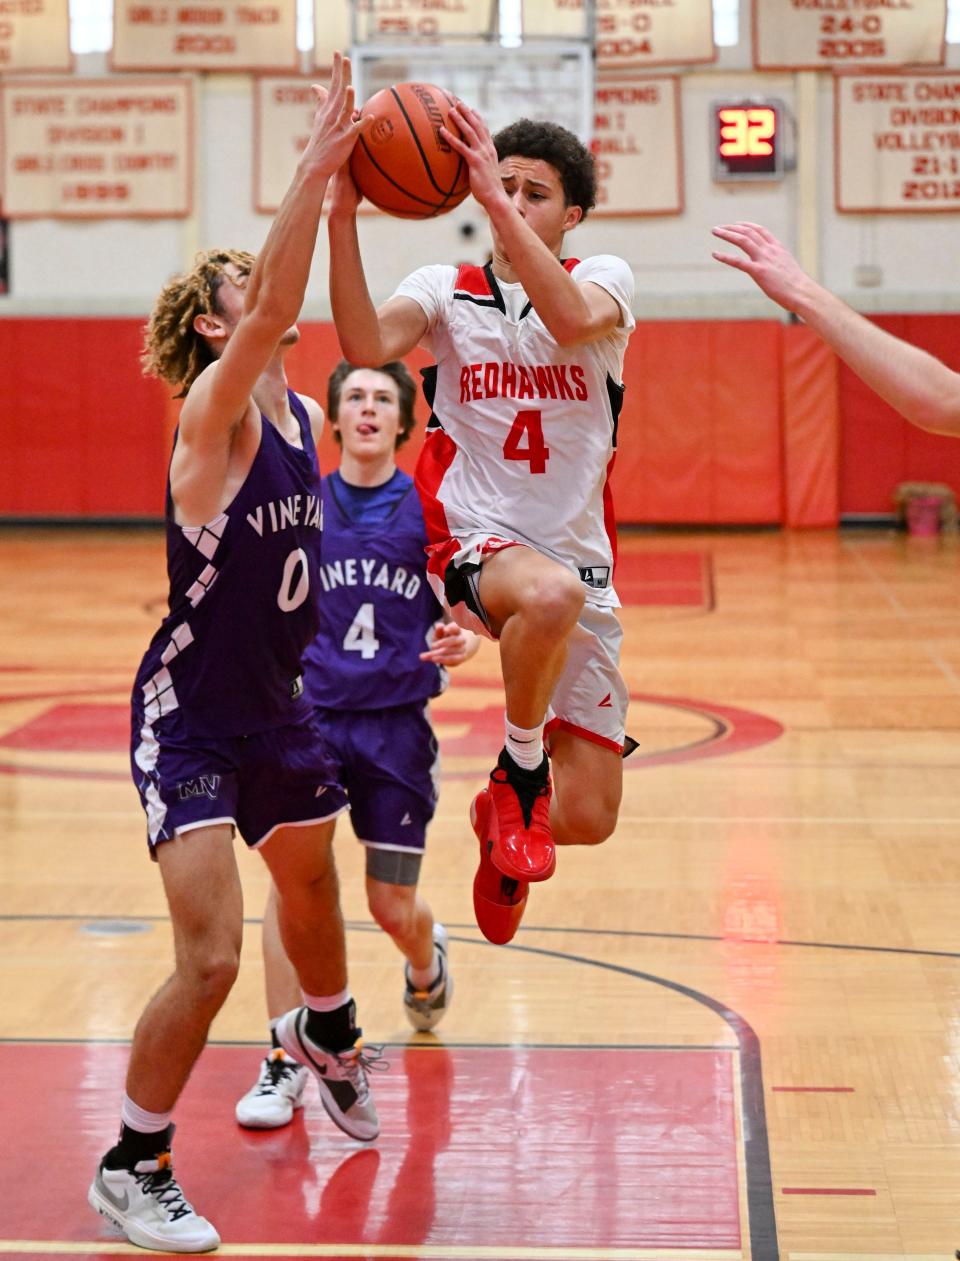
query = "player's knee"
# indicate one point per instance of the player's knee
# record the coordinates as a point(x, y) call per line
point(213, 973)
point(391, 910)
point(555, 600)
point(588, 822)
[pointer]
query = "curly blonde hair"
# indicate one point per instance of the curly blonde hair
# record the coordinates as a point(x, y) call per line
point(172, 348)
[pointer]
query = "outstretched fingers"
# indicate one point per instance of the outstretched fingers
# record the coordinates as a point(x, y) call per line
point(734, 260)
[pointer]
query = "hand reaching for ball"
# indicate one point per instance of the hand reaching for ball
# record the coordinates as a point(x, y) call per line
point(473, 142)
point(336, 124)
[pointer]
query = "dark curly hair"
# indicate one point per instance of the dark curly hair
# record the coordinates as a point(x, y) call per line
point(572, 161)
point(406, 389)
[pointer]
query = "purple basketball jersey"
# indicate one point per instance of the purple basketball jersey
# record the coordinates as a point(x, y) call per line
point(376, 608)
point(243, 600)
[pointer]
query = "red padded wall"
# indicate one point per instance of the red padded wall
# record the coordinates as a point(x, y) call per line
point(879, 448)
point(82, 433)
point(725, 422)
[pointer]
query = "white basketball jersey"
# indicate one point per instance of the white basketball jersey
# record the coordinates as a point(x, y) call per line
point(523, 432)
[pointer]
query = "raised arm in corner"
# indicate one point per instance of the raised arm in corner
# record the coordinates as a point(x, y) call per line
point(921, 388)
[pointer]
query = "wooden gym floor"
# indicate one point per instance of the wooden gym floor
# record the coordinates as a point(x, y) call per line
point(733, 1031)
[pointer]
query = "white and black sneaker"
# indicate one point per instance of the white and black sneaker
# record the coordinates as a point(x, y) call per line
point(341, 1075)
point(277, 1094)
point(148, 1206)
point(425, 1008)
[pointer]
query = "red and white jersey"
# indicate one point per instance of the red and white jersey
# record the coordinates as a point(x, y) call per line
point(523, 432)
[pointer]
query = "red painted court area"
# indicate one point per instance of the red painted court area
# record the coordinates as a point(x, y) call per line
point(665, 579)
point(479, 1147)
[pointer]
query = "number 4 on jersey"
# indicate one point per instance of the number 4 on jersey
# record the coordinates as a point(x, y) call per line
point(360, 635)
point(536, 452)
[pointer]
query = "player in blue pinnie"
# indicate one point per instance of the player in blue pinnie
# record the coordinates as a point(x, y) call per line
point(380, 656)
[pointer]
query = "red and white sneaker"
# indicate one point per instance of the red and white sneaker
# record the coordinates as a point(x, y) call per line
point(498, 901)
point(517, 827)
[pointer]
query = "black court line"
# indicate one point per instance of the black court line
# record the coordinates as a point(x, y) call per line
point(640, 934)
point(761, 1214)
point(764, 1245)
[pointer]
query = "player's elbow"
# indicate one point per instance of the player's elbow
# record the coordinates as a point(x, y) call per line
point(938, 412)
point(576, 330)
point(274, 307)
point(568, 334)
point(363, 353)
point(935, 420)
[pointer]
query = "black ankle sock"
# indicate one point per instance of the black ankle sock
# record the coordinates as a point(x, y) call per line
point(335, 1030)
point(274, 1040)
point(528, 785)
point(520, 773)
point(134, 1146)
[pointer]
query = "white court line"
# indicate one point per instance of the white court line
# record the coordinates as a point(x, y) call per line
point(866, 1256)
point(424, 1252)
point(944, 667)
point(827, 820)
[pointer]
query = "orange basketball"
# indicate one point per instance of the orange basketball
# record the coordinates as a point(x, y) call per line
point(402, 163)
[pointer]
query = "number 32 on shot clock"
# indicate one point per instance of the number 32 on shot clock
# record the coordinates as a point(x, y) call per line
point(746, 140)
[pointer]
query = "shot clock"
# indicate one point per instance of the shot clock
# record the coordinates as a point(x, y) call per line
point(747, 143)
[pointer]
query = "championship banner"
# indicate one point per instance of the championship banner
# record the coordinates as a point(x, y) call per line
point(631, 34)
point(825, 34)
point(897, 143)
point(34, 35)
point(396, 21)
point(233, 35)
point(637, 146)
point(283, 110)
point(96, 148)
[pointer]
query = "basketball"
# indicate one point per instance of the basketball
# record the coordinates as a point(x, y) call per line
point(402, 164)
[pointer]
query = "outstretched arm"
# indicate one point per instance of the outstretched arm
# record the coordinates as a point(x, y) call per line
point(368, 338)
point(573, 313)
point(919, 386)
point(274, 292)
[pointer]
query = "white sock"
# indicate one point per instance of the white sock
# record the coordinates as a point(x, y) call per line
point(139, 1119)
point(524, 744)
point(423, 978)
point(327, 1002)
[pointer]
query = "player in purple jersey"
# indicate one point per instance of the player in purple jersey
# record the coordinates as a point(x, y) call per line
point(223, 739)
point(379, 657)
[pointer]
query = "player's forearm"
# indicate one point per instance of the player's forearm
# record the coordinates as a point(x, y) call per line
point(278, 282)
point(355, 316)
point(921, 388)
point(555, 295)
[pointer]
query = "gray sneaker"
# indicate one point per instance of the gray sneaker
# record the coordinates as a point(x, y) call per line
point(425, 1008)
point(340, 1075)
point(148, 1206)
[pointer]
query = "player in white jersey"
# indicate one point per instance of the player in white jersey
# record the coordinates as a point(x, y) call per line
point(513, 477)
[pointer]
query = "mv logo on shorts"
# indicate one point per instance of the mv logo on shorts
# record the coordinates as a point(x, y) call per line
point(202, 786)
point(597, 576)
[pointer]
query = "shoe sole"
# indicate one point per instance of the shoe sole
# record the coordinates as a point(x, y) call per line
point(136, 1235)
point(505, 868)
point(365, 1132)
